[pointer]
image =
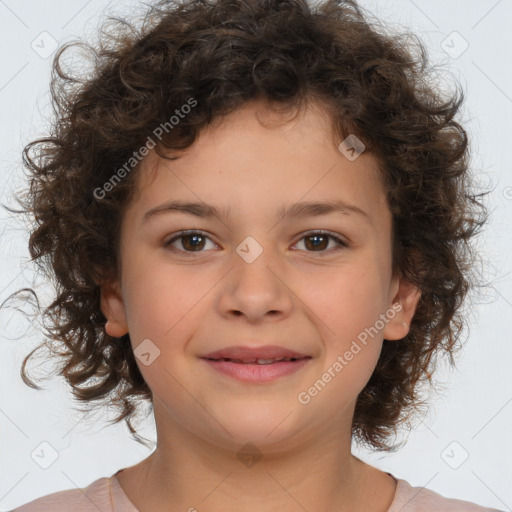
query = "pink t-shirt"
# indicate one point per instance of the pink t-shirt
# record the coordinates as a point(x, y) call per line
point(106, 495)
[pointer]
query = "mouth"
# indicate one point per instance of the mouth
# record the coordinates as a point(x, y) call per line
point(256, 365)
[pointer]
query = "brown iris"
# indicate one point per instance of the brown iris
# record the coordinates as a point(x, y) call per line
point(194, 245)
point(317, 245)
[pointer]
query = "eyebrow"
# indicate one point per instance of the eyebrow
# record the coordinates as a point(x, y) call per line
point(302, 209)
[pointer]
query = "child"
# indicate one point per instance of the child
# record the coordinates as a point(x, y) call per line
point(259, 214)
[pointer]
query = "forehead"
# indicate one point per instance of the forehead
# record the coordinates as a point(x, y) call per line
point(255, 159)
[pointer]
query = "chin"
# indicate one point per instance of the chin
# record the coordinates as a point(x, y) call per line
point(259, 424)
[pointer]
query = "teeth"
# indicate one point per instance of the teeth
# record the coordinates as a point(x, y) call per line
point(259, 361)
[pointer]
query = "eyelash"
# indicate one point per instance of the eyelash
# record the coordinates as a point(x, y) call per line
point(182, 234)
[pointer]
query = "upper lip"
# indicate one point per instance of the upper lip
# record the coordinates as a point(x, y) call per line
point(264, 352)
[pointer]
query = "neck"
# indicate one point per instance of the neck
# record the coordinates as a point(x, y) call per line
point(192, 473)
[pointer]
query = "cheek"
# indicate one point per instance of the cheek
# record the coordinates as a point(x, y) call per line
point(346, 312)
point(164, 303)
point(346, 302)
point(160, 308)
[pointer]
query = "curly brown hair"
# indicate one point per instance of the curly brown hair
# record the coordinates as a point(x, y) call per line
point(374, 84)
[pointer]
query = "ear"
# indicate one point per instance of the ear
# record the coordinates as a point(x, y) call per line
point(112, 306)
point(404, 302)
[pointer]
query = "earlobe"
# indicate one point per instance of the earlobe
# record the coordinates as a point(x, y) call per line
point(404, 305)
point(112, 306)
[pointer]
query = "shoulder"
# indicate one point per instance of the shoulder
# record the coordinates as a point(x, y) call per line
point(94, 497)
point(420, 499)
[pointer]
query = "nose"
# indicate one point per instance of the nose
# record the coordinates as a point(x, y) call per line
point(256, 289)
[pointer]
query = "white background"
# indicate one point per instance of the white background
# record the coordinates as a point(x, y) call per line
point(475, 408)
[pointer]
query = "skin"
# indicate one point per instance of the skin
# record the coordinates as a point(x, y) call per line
point(315, 301)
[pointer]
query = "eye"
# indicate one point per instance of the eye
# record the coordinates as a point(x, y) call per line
point(191, 241)
point(194, 241)
point(319, 241)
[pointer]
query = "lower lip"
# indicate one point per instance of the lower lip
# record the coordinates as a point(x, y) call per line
point(247, 372)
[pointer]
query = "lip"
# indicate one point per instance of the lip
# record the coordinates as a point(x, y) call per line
point(245, 352)
point(257, 373)
point(252, 371)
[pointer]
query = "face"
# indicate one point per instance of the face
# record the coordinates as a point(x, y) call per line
point(247, 276)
